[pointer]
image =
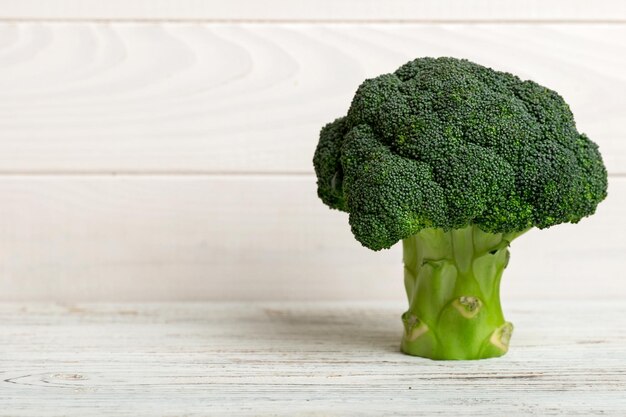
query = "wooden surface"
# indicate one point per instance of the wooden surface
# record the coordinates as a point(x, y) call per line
point(325, 359)
point(161, 150)
point(323, 10)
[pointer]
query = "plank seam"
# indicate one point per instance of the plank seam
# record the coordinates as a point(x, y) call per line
point(182, 173)
point(617, 21)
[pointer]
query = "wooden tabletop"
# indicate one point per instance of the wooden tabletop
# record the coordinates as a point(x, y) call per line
point(324, 359)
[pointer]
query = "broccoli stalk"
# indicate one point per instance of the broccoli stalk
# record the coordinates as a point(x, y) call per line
point(456, 160)
point(452, 281)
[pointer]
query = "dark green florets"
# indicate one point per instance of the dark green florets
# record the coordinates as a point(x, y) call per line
point(447, 143)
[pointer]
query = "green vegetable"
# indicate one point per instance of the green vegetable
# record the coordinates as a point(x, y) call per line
point(456, 160)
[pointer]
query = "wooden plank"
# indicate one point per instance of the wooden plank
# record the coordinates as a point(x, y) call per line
point(249, 238)
point(324, 10)
point(328, 359)
point(224, 98)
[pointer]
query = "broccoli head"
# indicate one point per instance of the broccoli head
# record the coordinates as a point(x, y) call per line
point(456, 160)
point(447, 143)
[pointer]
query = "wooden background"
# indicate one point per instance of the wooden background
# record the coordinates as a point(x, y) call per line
point(161, 150)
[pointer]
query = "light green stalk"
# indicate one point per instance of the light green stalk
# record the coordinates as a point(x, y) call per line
point(452, 280)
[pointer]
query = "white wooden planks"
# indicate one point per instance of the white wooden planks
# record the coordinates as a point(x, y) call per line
point(324, 10)
point(288, 359)
point(171, 98)
point(158, 159)
point(100, 238)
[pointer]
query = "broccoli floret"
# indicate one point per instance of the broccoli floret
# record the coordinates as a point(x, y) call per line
point(447, 145)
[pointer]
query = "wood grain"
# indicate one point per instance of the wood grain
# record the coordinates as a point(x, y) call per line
point(286, 359)
point(246, 238)
point(167, 98)
point(324, 10)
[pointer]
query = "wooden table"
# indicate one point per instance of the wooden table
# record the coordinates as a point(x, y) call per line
point(316, 359)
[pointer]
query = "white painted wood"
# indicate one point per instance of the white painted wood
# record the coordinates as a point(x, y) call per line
point(249, 238)
point(216, 98)
point(327, 10)
point(330, 359)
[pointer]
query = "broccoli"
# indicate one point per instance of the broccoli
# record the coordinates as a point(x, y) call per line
point(456, 160)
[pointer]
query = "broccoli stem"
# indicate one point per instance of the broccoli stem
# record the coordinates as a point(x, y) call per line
point(452, 281)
